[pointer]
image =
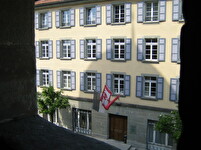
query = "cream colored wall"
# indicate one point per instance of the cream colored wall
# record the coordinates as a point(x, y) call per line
point(134, 30)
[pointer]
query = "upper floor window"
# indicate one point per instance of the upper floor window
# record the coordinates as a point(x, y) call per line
point(91, 15)
point(44, 49)
point(43, 20)
point(174, 89)
point(151, 11)
point(118, 13)
point(44, 77)
point(65, 18)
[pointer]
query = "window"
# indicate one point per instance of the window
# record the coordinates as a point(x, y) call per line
point(119, 84)
point(91, 49)
point(174, 89)
point(44, 77)
point(91, 81)
point(44, 49)
point(118, 49)
point(65, 18)
point(156, 139)
point(43, 20)
point(90, 16)
point(149, 87)
point(65, 49)
point(151, 11)
point(82, 122)
point(118, 13)
point(177, 14)
point(151, 49)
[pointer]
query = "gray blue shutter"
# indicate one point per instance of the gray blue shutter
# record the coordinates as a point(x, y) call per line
point(162, 47)
point(140, 49)
point(59, 79)
point(175, 10)
point(109, 14)
point(36, 20)
point(82, 81)
point(98, 14)
point(109, 81)
point(174, 86)
point(72, 17)
point(98, 48)
point(128, 49)
point(73, 80)
point(98, 82)
point(127, 85)
point(57, 16)
point(58, 48)
point(139, 86)
point(128, 12)
point(162, 10)
point(73, 49)
point(175, 50)
point(160, 82)
point(82, 16)
point(37, 51)
point(50, 49)
point(38, 83)
point(140, 12)
point(109, 49)
point(82, 49)
point(51, 77)
point(49, 19)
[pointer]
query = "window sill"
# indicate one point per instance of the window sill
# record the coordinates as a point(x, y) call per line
point(151, 22)
point(44, 58)
point(151, 61)
point(90, 25)
point(118, 23)
point(41, 29)
point(149, 98)
point(64, 27)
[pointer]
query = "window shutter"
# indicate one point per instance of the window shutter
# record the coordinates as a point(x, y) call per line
point(36, 20)
point(109, 14)
point(127, 85)
point(109, 81)
point(81, 16)
point(98, 48)
point(59, 85)
point(38, 83)
point(109, 49)
point(37, 51)
point(160, 81)
point(49, 19)
point(51, 77)
point(175, 50)
point(162, 10)
point(139, 85)
point(57, 16)
point(162, 45)
point(50, 51)
point(82, 81)
point(72, 17)
point(140, 49)
point(174, 89)
point(128, 49)
point(58, 49)
point(73, 80)
point(98, 82)
point(73, 49)
point(82, 49)
point(98, 14)
point(175, 10)
point(140, 12)
point(128, 12)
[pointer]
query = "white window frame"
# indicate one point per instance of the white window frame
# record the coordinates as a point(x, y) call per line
point(150, 81)
point(91, 48)
point(45, 78)
point(90, 81)
point(118, 43)
point(65, 18)
point(117, 15)
point(151, 50)
point(66, 49)
point(44, 20)
point(66, 80)
point(91, 16)
point(151, 11)
point(118, 80)
point(44, 49)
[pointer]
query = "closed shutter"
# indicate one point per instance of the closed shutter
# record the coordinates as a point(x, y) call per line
point(38, 83)
point(72, 17)
point(57, 16)
point(109, 49)
point(98, 14)
point(128, 49)
point(160, 82)
point(73, 80)
point(175, 10)
point(140, 49)
point(139, 86)
point(127, 85)
point(140, 12)
point(128, 12)
point(82, 16)
point(82, 49)
point(175, 50)
point(58, 48)
point(36, 20)
point(109, 14)
point(82, 81)
point(162, 47)
point(98, 48)
point(98, 82)
point(162, 10)
point(59, 82)
point(50, 49)
point(37, 49)
point(50, 77)
point(73, 49)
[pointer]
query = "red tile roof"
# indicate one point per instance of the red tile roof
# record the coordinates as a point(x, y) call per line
point(46, 1)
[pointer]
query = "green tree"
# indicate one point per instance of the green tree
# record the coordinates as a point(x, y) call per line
point(50, 100)
point(171, 124)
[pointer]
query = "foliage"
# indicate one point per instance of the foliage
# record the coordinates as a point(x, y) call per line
point(171, 124)
point(50, 100)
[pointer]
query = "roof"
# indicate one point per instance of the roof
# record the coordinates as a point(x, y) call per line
point(46, 1)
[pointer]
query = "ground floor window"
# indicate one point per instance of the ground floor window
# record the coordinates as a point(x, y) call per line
point(81, 121)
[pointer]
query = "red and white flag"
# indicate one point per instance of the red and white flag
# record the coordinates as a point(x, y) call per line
point(105, 98)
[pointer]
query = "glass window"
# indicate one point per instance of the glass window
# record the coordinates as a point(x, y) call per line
point(45, 78)
point(151, 49)
point(119, 13)
point(44, 49)
point(151, 11)
point(150, 84)
point(119, 49)
point(91, 15)
point(66, 49)
point(91, 81)
point(44, 20)
point(66, 79)
point(65, 18)
point(119, 84)
point(91, 49)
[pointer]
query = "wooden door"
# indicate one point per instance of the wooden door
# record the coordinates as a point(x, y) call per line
point(117, 127)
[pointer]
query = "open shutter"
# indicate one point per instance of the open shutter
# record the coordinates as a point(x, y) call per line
point(128, 12)
point(49, 19)
point(50, 50)
point(38, 77)
point(59, 85)
point(140, 12)
point(73, 80)
point(51, 77)
point(162, 10)
point(72, 17)
point(58, 49)
point(37, 49)
point(82, 16)
point(109, 14)
point(82, 81)
point(127, 85)
point(128, 49)
point(160, 82)
point(174, 83)
point(175, 10)
point(73, 49)
point(57, 16)
point(140, 49)
point(82, 49)
point(139, 85)
point(175, 50)
point(109, 81)
point(98, 48)
point(162, 45)
point(98, 82)
point(109, 49)
point(98, 14)
point(36, 20)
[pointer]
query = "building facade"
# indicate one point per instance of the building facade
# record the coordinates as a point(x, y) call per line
point(131, 46)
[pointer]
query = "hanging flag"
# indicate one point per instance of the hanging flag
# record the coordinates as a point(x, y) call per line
point(105, 98)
